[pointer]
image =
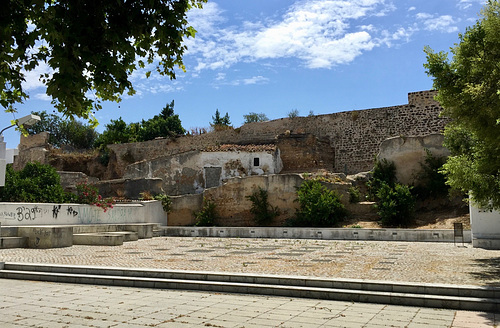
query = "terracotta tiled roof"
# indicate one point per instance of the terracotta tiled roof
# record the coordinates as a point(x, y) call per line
point(247, 148)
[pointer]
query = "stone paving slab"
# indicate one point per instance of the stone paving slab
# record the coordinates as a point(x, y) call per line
point(44, 304)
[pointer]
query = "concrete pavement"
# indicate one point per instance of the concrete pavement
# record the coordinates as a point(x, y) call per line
point(43, 304)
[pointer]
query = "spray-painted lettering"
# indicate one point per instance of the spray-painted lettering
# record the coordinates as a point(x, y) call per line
point(71, 211)
point(55, 211)
point(24, 213)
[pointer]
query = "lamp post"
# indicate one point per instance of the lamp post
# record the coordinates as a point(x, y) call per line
point(27, 120)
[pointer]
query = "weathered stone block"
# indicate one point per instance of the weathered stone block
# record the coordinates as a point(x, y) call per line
point(408, 153)
point(47, 236)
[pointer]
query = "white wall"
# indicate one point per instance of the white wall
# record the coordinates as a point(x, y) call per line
point(485, 227)
point(16, 214)
point(10, 153)
point(269, 163)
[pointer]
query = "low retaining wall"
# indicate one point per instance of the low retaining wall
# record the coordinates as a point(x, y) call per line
point(30, 214)
point(442, 235)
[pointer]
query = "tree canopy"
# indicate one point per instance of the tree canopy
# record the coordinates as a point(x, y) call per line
point(469, 90)
point(92, 46)
point(166, 124)
point(255, 117)
point(68, 132)
point(218, 121)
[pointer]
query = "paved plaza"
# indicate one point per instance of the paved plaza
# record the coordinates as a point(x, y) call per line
point(426, 262)
point(43, 304)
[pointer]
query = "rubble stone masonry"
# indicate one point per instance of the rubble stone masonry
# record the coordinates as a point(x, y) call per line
point(354, 137)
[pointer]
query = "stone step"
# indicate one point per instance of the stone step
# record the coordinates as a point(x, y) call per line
point(98, 239)
point(363, 210)
point(386, 292)
point(127, 235)
point(143, 230)
point(13, 242)
point(159, 231)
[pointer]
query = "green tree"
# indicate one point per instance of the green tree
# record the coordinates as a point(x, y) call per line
point(218, 121)
point(118, 131)
point(68, 132)
point(164, 125)
point(92, 46)
point(468, 87)
point(293, 113)
point(255, 117)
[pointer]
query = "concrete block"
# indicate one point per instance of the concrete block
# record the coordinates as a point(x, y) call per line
point(47, 236)
point(143, 230)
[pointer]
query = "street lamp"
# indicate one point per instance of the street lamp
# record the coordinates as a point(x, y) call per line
point(27, 120)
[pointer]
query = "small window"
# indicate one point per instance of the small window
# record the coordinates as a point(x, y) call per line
point(256, 161)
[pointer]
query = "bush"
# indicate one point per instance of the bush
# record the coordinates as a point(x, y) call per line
point(384, 172)
point(293, 113)
point(208, 215)
point(319, 207)
point(395, 204)
point(263, 212)
point(36, 183)
point(88, 194)
point(166, 202)
point(354, 195)
point(431, 183)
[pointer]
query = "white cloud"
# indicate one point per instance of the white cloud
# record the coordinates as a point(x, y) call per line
point(256, 80)
point(32, 78)
point(412, 8)
point(443, 23)
point(424, 16)
point(466, 4)
point(401, 34)
point(317, 32)
point(220, 76)
point(43, 96)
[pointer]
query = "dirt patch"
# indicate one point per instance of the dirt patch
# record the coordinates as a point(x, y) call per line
point(438, 219)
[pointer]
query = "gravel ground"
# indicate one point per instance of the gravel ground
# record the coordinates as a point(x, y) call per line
point(373, 260)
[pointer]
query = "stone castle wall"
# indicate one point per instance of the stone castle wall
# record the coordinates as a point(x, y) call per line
point(354, 136)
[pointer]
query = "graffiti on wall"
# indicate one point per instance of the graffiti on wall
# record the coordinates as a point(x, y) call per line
point(13, 214)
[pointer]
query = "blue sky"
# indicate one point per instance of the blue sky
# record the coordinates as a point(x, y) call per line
point(274, 56)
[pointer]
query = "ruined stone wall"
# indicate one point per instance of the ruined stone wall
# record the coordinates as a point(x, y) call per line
point(354, 136)
point(303, 152)
point(409, 153)
point(193, 171)
point(233, 205)
point(32, 149)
